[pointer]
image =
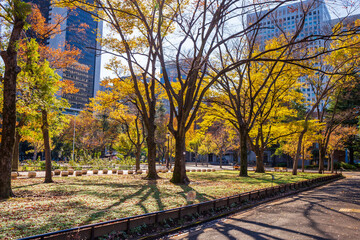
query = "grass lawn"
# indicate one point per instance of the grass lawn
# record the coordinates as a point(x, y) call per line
point(69, 202)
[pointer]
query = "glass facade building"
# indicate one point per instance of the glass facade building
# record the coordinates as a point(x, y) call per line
point(80, 31)
point(288, 19)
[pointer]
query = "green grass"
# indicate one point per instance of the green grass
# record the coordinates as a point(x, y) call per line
point(69, 202)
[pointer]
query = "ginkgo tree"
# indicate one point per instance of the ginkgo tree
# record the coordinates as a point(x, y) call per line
point(288, 144)
point(146, 30)
point(186, 35)
point(117, 101)
point(331, 72)
point(250, 95)
point(195, 138)
point(272, 123)
point(137, 28)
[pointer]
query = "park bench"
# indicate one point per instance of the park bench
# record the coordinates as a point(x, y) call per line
point(236, 167)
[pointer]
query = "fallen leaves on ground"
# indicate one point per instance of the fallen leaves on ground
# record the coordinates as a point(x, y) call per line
point(39, 208)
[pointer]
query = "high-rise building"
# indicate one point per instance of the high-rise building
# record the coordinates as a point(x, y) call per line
point(86, 73)
point(288, 19)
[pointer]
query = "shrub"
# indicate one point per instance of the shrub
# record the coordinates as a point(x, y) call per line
point(312, 167)
point(347, 166)
point(126, 163)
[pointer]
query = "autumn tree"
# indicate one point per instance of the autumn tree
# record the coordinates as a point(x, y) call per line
point(44, 84)
point(250, 95)
point(288, 143)
point(207, 147)
point(116, 101)
point(151, 21)
point(337, 141)
point(345, 107)
point(333, 71)
point(13, 13)
point(148, 34)
point(40, 92)
point(162, 133)
point(222, 137)
point(195, 140)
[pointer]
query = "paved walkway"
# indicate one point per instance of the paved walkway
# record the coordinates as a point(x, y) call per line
point(328, 212)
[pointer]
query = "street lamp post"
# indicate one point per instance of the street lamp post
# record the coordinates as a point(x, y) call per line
point(168, 151)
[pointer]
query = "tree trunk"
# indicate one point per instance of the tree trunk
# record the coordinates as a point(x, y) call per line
point(35, 153)
point(179, 175)
point(259, 160)
point(332, 162)
point(151, 144)
point(9, 101)
point(351, 155)
point(321, 157)
point(298, 151)
point(196, 158)
point(138, 155)
point(220, 160)
point(167, 159)
point(303, 159)
point(243, 153)
point(15, 161)
point(45, 131)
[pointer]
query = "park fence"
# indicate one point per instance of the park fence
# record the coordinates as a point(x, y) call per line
point(95, 231)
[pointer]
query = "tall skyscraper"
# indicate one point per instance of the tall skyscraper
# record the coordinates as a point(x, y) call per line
point(86, 73)
point(287, 19)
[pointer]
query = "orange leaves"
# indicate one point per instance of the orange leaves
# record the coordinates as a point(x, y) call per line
point(60, 58)
point(68, 86)
point(39, 25)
